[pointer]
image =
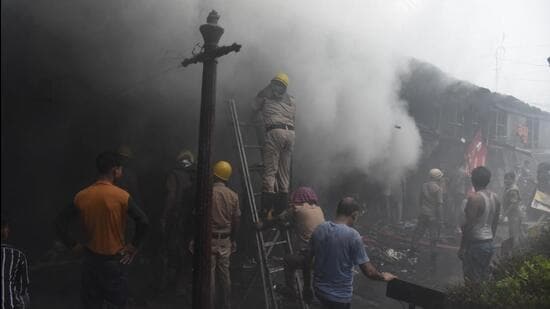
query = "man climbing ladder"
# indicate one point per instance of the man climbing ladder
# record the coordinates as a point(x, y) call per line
point(277, 110)
point(266, 240)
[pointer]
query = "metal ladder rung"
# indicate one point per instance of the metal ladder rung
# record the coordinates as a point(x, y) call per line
point(276, 269)
point(268, 244)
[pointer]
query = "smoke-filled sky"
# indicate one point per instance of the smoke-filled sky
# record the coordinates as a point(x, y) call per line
point(469, 39)
point(343, 58)
point(500, 45)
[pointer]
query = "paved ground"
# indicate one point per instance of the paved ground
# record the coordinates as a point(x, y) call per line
point(58, 286)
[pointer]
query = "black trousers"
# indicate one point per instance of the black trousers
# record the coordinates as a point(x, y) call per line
point(104, 281)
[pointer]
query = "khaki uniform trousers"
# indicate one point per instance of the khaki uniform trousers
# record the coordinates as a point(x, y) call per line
point(220, 282)
point(277, 153)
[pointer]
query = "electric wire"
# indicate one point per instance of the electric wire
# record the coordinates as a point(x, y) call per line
point(128, 89)
point(523, 62)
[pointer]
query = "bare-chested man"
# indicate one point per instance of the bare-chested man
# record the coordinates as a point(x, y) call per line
point(482, 214)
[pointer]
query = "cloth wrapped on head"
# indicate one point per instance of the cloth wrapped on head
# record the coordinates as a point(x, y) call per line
point(304, 195)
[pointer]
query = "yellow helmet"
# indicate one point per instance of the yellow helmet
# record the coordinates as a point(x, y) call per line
point(281, 77)
point(222, 170)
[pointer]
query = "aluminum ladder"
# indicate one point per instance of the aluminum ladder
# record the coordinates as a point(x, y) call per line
point(276, 237)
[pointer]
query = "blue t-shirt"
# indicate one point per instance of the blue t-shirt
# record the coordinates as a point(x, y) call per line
point(337, 249)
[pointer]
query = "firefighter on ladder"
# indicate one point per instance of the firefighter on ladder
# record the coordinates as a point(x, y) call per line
point(277, 109)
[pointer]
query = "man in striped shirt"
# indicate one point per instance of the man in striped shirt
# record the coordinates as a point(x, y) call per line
point(15, 273)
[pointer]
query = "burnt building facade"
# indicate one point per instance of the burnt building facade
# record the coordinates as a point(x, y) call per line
point(450, 114)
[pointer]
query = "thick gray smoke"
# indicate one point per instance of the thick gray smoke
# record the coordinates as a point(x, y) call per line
point(341, 63)
point(343, 74)
point(80, 76)
point(339, 56)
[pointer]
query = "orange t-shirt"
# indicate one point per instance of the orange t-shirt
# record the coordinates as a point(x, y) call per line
point(103, 210)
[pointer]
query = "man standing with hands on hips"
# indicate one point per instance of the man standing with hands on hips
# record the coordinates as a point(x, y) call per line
point(103, 209)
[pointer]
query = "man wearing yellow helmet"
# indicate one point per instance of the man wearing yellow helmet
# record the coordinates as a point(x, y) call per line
point(277, 110)
point(225, 222)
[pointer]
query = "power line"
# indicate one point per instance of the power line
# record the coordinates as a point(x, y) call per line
point(523, 62)
point(538, 71)
point(529, 80)
point(133, 86)
point(530, 46)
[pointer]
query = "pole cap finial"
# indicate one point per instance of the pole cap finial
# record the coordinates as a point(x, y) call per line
point(213, 17)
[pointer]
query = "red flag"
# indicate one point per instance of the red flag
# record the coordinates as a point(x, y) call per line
point(476, 154)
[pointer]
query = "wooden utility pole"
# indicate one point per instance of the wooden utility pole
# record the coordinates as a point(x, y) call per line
point(211, 33)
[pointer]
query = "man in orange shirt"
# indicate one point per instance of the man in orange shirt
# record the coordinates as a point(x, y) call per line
point(103, 209)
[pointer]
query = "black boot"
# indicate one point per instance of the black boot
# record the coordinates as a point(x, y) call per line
point(267, 204)
point(281, 203)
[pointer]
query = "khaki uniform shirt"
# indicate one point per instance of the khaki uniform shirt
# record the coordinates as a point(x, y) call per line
point(431, 199)
point(225, 207)
point(511, 201)
point(275, 109)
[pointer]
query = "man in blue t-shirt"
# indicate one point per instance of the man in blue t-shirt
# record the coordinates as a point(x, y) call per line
point(335, 249)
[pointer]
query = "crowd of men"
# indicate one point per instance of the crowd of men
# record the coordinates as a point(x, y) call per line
point(481, 214)
point(326, 251)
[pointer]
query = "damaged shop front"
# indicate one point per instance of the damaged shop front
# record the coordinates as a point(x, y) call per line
point(463, 125)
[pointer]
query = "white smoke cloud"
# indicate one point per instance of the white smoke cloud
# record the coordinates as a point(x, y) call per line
point(343, 72)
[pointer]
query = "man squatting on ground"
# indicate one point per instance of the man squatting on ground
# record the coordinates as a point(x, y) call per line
point(482, 214)
point(277, 110)
point(103, 209)
point(303, 216)
point(335, 248)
